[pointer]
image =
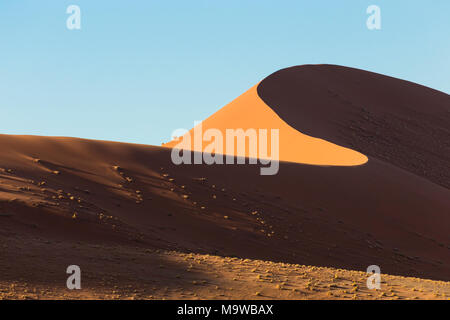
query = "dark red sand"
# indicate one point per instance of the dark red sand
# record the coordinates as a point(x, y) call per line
point(396, 121)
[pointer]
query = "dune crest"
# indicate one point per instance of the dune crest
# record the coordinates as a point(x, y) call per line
point(249, 111)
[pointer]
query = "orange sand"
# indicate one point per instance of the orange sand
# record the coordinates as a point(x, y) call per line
point(249, 111)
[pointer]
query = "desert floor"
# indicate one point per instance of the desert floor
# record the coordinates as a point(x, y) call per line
point(159, 274)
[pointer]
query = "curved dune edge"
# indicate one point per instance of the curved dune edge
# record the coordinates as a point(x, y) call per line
point(249, 111)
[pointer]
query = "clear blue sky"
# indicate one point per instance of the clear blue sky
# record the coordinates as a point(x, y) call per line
point(137, 70)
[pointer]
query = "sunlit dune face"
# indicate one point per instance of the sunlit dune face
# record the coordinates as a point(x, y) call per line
point(250, 112)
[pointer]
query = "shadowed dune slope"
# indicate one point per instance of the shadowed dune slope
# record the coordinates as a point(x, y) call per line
point(399, 122)
point(66, 190)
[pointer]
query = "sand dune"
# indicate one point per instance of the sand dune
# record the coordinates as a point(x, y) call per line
point(102, 204)
point(396, 121)
point(250, 112)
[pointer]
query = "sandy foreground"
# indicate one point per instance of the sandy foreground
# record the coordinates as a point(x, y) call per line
point(158, 274)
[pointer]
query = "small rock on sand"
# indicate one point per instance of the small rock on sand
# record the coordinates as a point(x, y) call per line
point(8, 214)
